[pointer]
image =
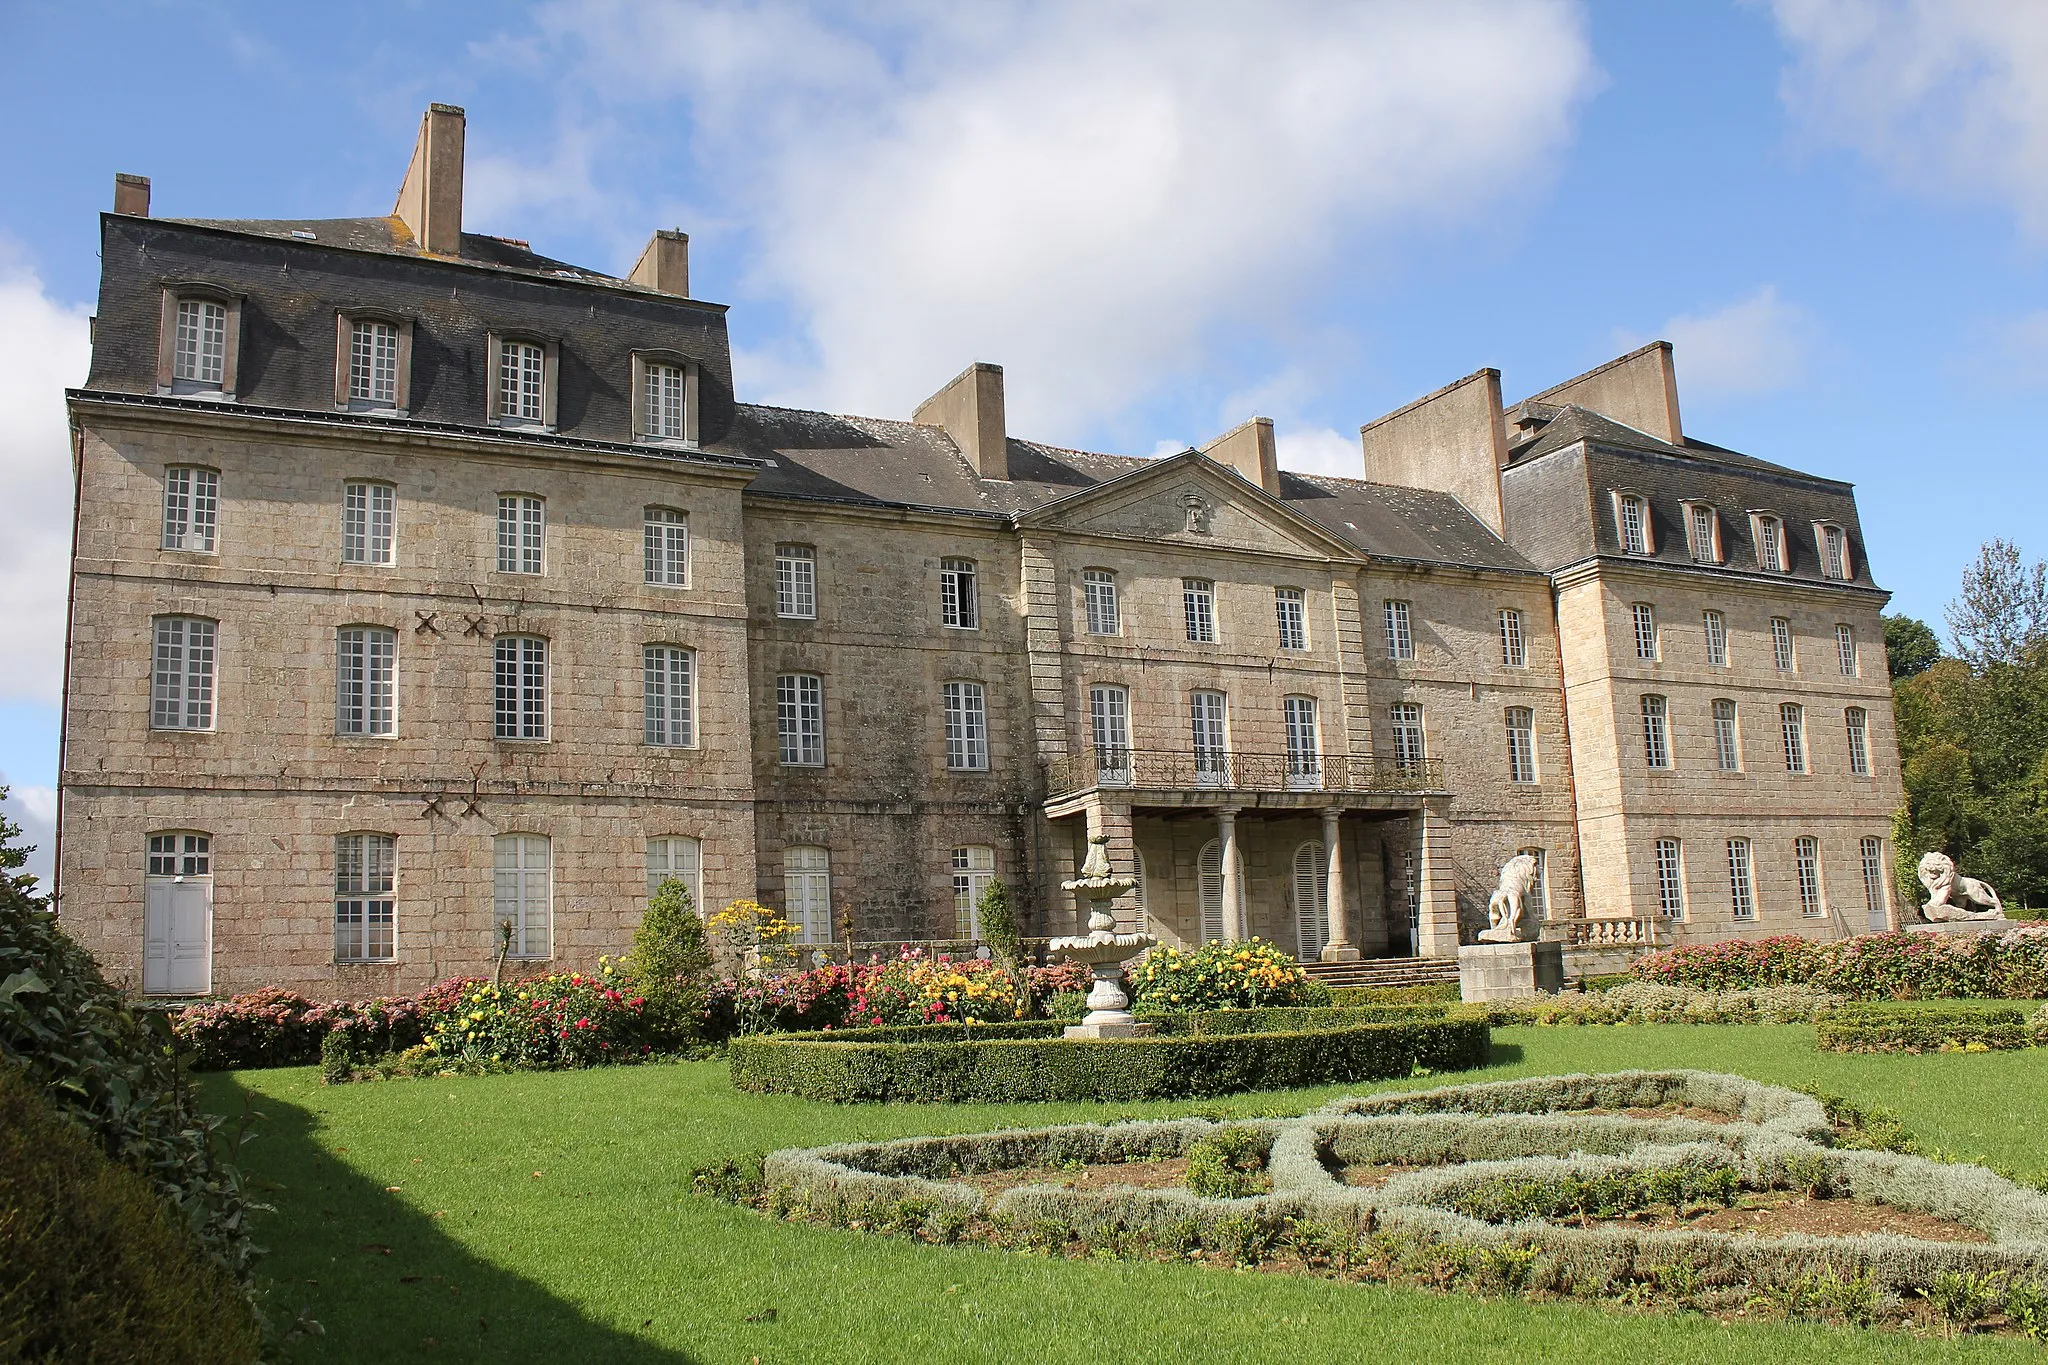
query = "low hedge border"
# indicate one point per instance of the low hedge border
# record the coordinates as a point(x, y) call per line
point(1412, 1230)
point(1895, 1028)
point(1183, 1062)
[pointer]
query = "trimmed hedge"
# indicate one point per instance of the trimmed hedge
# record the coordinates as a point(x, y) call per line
point(1895, 1028)
point(1430, 993)
point(1175, 1065)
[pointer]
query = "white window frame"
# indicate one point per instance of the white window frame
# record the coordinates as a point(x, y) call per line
point(1768, 531)
point(959, 595)
point(522, 891)
point(1198, 608)
point(1703, 533)
point(1520, 722)
point(1783, 653)
point(369, 523)
point(1807, 870)
point(665, 547)
point(366, 681)
point(199, 343)
point(1856, 721)
point(366, 898)
point(522, 533)
point(1514, 640)
point(1411, 738)
point(1290, 614)
point(1792, 726)
point(1400, 630)
point(1831, 542)
point(966, 707)
point(664, 407)
point(974, 871)
point(1876, 891)
point(1845, 649)
point(1741, 879)
point(1109, 724)
point(668, 684)
point(520, 689)
point(800, 720)
point(1302, 728)
point(679, 856)
point(1099, 602)
point(1714, 626)
point(1643, 620)
point(1209, 732)
point(1537, 904)
point(807, 891)
point(191, 509)
point(522, 382)
point(796, 582)
point(1670, 861)
point(1656, 732)
point(1727, 735)
point(183, 694)
point(1632, 523)
point(373, 346)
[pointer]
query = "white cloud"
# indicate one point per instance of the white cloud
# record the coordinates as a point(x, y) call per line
point(43, 349)
point(1093, 196)
point(1754, 345)
point(1319, 450)
point(35, 810)
point(1940, 93)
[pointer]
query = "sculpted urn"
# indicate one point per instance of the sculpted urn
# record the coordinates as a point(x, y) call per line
point(1103, 948)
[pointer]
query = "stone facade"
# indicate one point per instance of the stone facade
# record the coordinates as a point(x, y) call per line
point(908, 803)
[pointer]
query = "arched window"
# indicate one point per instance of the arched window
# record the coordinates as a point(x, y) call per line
point(1311, 900)
point(1209, 889)
point(807, 891)
point(677, 856)
point(974, 868)
point(177, 915)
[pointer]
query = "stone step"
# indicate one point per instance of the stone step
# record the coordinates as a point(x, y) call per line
point(1394, 971)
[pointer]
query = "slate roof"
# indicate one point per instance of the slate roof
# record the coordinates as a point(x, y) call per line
point(1574, 424)
point(389, 236)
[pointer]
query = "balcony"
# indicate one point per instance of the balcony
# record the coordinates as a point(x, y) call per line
point(1181, 770)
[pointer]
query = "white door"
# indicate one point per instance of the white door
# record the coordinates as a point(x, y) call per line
point(177, 936)
point(1209, 889)
point(1311, 901)
point(807, 891)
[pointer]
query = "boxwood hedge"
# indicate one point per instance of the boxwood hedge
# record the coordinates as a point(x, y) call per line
point(1189, 1057)
point(1918, 1028)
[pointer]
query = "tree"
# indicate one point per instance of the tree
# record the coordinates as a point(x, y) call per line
point(671, 963)
point(1005, 939)
point(14, 857)
point(1910, 646)
point(2001, 614)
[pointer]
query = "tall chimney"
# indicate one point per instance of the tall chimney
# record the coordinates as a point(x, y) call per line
point(430, 200)
point(1248, 449)
point(1638, 390)
point(131, 195)
point(971, 410)
point(665, 264)
point(1452, 441)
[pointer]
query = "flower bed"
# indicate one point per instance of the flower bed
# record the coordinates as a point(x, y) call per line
point(1225, 974)
point(1589, 1186)
point(1189, 1058)
point(910, 988)
point(276, 1027)
point(1894, 1028)
point(1891, 966)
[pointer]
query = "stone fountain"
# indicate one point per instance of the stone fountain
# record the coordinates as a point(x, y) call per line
point(1103, 948)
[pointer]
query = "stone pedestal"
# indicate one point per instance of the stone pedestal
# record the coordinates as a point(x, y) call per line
point(1133, 1029)
point(1964, 926)
point(1505, 971)
point(1339, 952)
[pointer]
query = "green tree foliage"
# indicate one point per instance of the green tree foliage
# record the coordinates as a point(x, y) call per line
point(1910, 646)
point(1973, 730)
point(1005, 938)
point(671, 963)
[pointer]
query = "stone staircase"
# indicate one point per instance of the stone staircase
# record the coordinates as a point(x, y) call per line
point(1385, 971)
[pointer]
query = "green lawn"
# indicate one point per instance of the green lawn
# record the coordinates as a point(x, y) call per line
point(545, 1218)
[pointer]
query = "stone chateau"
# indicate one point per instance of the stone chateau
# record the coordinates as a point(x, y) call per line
point(422, 583)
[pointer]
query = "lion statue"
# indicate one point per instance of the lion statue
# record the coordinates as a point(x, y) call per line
point(1950, 896)
point(1504, 910)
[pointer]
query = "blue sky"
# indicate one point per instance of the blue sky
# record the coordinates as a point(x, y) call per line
point(1159, 218)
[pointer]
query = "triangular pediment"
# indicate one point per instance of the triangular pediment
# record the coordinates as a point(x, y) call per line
point(1191, 500)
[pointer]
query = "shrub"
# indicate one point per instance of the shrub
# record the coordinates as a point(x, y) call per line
point(549, 1023)
point(819, 1067)
point(1643, 1002)
point(1890, 966)
point(1429, 993)
point(1895, 1028)
point(276, 1027)
point(669, 965)
point(1240, 974)
point(913, 988)
point(1229, 1163)
point(92, 1262)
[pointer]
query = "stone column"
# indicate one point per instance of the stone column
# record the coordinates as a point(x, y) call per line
point(1431, 830)
point(1339, 948)
point(1226, 841)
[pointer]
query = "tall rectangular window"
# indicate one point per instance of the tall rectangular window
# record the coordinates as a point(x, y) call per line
point(1098, 594)
point(367, 513)
point(1871, 851)
point(1408, 734)
point(1304, 743)
point(1290, 611)
point(661, 408)
point(1845, 649)
point(1514, 644)
point(200, 351)
point(1727, 739)
point(679, 857)
point(522, 894)
point(365, 898)
point(1717, 638)
point(373, 362)
point(665, 547)
point(1857, 721)
point(1656, 732)
point(1700, 530)
point(1792, 720)
point(1770, 545)
point(1109, 720)
point(522, 687)
point(1206, 722)
point(1741, 881)
point(366, 674)
point(669, 688)
point(522, 368)
point(974, 869)
point(1400, 636)
point(1635, 533)
point(1670, 880)
point(796, 582)
point(966, 727)
point(1834, 552)
point(1781, 644)
point(181, 695)
point(1537, 903)
point(191, 508)
point(1521, 725)
point(1644, 618)
point(800, 720)
point(807, 891)
point(1806, 859)
point(1198, 605)
point(959, 603)
point(522, 526)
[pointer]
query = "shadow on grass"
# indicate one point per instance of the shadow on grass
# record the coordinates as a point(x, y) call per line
point(1501, 1054)
point(383, 1279)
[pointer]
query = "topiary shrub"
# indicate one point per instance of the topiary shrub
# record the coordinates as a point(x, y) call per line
point(671, 966)
point(92, 1263)
point(1913, 1028)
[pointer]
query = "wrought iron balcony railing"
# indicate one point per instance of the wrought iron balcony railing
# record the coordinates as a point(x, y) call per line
point(1174, 769)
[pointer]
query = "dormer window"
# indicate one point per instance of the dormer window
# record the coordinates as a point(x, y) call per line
point(1770, 541)
point(373, 357)
point(1833, 544)
point(1632, 518)
point(664, 398)
point(201, 330)
point(1703, 533)
point(522, 391)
